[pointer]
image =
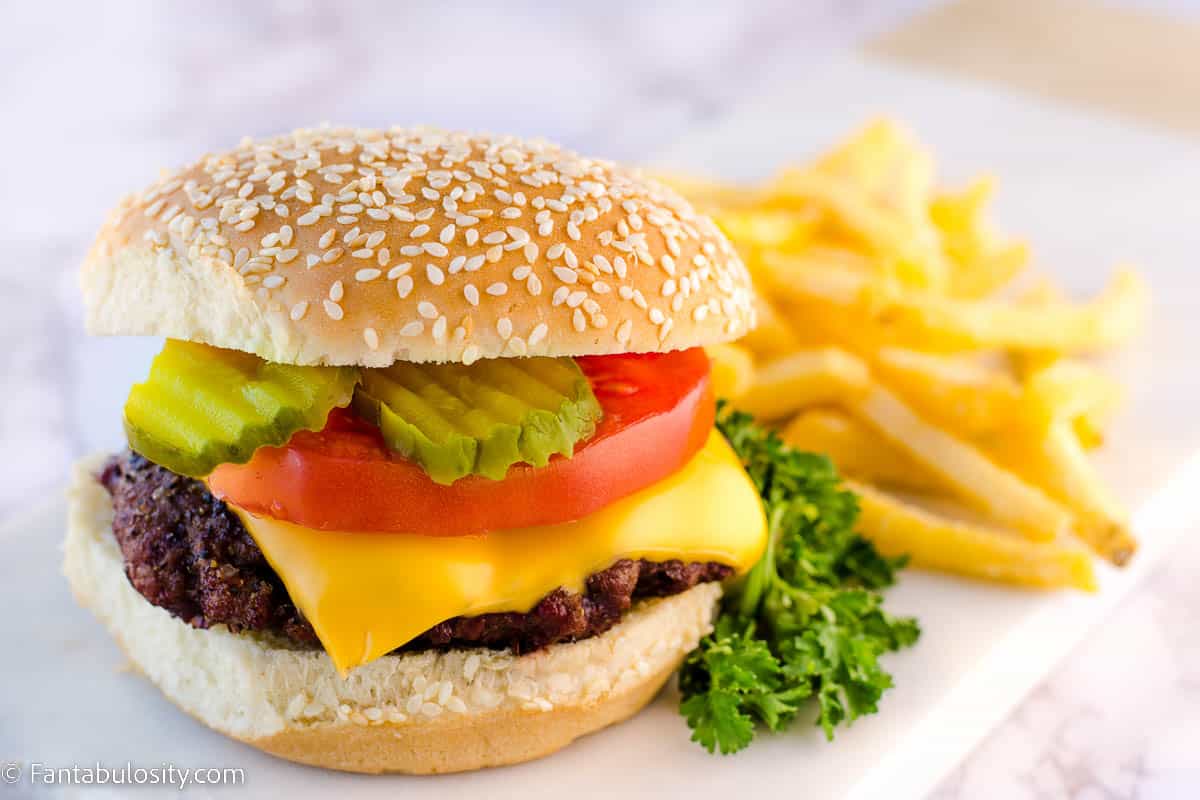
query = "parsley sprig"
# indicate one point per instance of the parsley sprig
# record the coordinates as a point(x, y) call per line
point(807, 621)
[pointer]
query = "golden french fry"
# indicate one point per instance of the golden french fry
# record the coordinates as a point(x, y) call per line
point(769, 228)
point(805, 378)
point(936, 542)
point(962, 394)
point(858, 451)
point(732, 369)
point(1057, 463)
point(982, 261)
point(1070, 389)
point(1028, 361)
point(913, 246)
point(773, 336)
point(968, 472)
point(928, 320)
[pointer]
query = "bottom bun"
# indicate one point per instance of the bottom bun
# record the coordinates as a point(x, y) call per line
point(420, 713)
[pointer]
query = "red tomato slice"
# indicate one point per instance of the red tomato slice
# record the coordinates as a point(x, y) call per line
point(658, 411)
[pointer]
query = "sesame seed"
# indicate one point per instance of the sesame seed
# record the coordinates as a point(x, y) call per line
point(504, 327)
point(371, 338)
point(471, 293)
point(624, 330)
point(299, 310)
point(414, 328)
point(539, 332)
point(447, 234)
point(578, 321)
point(427, 309)
point(419, 231)
point(336, 291)
point(498, 289)
point(404, 286)
point(435, 249)
point(470, 355)
point(566, 274)
point(364, 275)
point(435, 274)
point(398, 270)
point(333, 310)
point(273, 281)
point(495, 237)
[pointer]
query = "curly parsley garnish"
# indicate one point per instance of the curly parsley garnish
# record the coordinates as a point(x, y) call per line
point(807, 620)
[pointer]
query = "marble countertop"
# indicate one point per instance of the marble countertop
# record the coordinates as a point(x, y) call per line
point(98, 96)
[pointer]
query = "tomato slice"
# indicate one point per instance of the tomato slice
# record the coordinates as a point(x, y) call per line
point(658, 411)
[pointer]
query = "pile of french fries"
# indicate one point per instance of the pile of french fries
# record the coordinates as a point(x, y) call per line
point(894, 336)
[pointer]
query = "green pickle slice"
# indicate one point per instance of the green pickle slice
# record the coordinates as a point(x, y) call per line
point(457, 420)
point(202, 406)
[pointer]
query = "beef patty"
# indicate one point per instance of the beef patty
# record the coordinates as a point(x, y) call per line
point(186, 552)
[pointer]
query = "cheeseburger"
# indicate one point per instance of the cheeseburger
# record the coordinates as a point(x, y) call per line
point(425, 477)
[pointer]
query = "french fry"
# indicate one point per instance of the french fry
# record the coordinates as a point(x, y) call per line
point(1026, 362)
point(732, 369)
point(914, 248)
point(858, 451)
point(778, 228)
point(964, 395)
point(773, 336)
point(1057, 463)
point(984, 262)
point(805, 378)
point(936, 542)
point(1066, 390)
point(887, 162)
point(973, 477)
point(931, 321)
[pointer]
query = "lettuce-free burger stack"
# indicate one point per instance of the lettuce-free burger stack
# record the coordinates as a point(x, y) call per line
point(425, 477)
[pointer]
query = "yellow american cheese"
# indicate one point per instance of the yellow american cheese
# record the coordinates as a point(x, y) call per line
point(368, 593)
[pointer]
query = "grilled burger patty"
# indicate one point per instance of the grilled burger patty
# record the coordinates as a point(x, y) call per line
point(186, 552)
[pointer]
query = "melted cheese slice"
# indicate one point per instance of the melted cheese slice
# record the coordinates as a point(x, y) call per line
point(368, 593)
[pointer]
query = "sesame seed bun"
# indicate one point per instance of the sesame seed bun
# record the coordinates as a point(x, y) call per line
point(352, 246)
point(416, 713)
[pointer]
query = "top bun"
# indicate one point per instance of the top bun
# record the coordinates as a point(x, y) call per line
point(363, 246)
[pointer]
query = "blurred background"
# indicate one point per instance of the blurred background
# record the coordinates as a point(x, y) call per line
point(99, 96)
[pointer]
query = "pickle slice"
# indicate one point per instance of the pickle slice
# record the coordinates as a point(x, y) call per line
point(202, 406)
point(457, 420)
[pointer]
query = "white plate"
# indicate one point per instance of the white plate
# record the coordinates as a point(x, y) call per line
point(1087, 191)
